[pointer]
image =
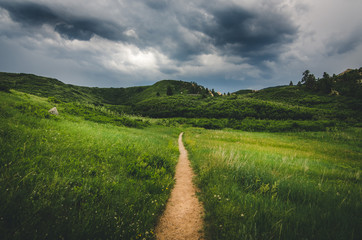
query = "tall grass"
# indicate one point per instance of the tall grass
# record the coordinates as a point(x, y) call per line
point(279, 186)
point(62, 177)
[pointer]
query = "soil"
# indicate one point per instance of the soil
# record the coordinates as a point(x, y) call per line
point(183, 217)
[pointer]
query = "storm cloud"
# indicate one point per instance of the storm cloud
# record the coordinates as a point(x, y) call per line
point(72, 27)
point(243, 43)
point(238, 31)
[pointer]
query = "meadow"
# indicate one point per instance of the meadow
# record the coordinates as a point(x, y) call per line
point(304, 185)
point(64, 177)
point(94, 172)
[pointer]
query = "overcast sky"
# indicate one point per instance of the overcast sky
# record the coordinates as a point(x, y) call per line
point(225, 45)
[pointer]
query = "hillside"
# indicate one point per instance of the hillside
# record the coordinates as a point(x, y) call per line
point(307, 106)
point(49, 87)
point(81, 174)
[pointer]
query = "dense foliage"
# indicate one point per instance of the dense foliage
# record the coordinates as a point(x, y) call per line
point(348, 83)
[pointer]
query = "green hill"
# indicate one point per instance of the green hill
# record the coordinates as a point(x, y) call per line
point(307, 106)
point(49, 87)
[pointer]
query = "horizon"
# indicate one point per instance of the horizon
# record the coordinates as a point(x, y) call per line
point(151, 84)
point(222, 45)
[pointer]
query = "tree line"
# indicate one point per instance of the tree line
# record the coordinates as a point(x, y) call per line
point(348, 83)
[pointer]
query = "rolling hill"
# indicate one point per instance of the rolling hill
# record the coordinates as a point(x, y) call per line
point(293, 107)
point(49, 87)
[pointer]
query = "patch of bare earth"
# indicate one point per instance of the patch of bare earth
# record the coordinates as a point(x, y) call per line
point(182, 218)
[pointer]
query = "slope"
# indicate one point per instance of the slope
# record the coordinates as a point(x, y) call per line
point(49, 87)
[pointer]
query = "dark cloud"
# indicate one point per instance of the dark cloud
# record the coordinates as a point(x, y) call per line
point(181, 34)
point(345, 44)
point(251, 30)
point(30, 13)
point(84, 29)
point(237, 31)
point(71, 27)
point(182, 50)
point(248, 33)
point(72, 32)
point(157, 4)
point(168, 70)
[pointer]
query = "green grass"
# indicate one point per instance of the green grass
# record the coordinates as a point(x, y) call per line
point(84, 175)
point(63, 177)
point(279, 186)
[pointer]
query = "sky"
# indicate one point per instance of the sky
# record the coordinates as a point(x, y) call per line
point(224, 45)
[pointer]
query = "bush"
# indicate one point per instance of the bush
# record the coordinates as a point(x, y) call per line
point(4, 88)
point(101, 114)
point(33, 110)
point(53, 100)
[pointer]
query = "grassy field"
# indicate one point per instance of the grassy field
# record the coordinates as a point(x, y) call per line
point(93, 173)
point(303, 185)
point(64, 177)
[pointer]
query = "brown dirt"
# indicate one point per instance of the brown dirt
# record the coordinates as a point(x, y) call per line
point(182, 218)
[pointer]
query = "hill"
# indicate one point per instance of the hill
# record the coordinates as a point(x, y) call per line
point(49, 87)
point(307, 106)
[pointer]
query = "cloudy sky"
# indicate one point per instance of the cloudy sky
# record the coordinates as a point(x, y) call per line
point(225, 45)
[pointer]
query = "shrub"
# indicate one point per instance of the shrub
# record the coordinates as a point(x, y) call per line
point(53, 100)
point(4, 88)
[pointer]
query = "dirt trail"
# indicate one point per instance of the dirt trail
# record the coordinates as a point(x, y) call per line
point(182, 218)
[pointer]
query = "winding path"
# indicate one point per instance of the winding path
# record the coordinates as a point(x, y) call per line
point(182, 218)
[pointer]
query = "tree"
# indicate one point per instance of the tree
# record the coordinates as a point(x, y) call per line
point(169, 91)
point(158, 94)
point(291, 83)
point(309, 80)
point(326, 75)
point(325, 83)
